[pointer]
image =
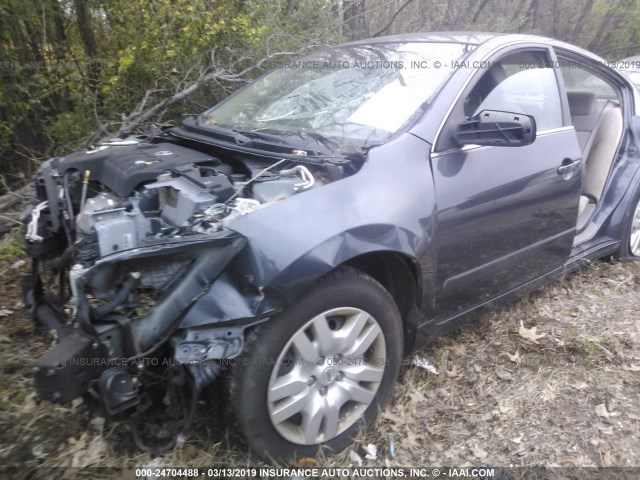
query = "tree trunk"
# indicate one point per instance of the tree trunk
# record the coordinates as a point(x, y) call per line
point(537, 14)
point(478, 11)
point(603, 33)
point(577, 30)
point(392, 18)
point(555, 21)
point(83, 18)
point(340, 15)
point(423, 15)
point(354, 18)
point(291, 7)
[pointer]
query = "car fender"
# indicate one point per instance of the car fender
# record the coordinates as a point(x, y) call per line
point(294, 242)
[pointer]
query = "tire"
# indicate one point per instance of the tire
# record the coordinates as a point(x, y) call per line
point(294, 392)
point(630, 237)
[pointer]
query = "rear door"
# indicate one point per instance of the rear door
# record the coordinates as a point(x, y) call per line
point(506, 215)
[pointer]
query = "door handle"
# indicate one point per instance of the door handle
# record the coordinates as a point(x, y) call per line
point(568, 166)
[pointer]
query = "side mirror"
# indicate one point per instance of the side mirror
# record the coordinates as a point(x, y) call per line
point(500, 129)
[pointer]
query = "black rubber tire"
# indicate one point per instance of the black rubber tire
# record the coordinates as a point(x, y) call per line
point(624, 252)
point(249, 377)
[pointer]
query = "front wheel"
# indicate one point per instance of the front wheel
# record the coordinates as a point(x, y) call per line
point(315, 374)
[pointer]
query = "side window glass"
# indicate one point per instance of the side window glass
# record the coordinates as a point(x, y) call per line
point(590, 97)
point(519, 83)
point(579, 79)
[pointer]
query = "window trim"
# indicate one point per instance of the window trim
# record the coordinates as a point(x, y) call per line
point(602, 74)
point(468, 147)
point(472, 81)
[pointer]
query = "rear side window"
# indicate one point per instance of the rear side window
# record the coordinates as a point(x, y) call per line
point(579, 79)
point(589, 96)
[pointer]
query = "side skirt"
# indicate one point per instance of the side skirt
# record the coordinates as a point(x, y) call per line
point(581, 255)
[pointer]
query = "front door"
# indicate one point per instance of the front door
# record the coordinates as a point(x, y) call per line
point(506, 215)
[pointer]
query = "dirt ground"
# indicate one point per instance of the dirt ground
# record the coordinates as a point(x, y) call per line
point(550, 380)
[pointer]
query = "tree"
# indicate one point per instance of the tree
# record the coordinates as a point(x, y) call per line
point(75, 69)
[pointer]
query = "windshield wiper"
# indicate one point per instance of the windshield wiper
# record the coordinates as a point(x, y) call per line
point(261, 135)
point(228, 134)
point(282, 137)
point(327, 142)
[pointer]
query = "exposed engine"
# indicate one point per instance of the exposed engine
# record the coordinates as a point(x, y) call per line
point(162, 191)
point(134, 231)
point(189, 199)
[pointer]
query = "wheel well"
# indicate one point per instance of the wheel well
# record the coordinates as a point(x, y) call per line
point(396, 273)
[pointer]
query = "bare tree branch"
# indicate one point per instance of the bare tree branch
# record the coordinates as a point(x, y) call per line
point(478, 11)
point(144, 112)
point(393, 19)
point(12, 199)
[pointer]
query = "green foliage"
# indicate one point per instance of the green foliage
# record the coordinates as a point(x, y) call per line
point(61, 71)
point(68, 129)
point(12, 246)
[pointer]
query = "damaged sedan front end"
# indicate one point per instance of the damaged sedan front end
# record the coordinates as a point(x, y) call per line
point(130, 234)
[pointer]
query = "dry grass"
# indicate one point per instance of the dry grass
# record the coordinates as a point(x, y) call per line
point(551, 380)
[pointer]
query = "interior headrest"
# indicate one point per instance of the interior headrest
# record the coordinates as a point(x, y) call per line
point(581, 103)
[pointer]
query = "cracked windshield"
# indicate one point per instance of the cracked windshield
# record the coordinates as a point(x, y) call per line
point(357, 95)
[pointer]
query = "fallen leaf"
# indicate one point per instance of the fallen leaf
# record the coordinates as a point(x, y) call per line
point(387, 414)
point(606, 430)
point(304, 462)
point(516, 358)
point(433, 429)
point(459, 349)
point(5, 312)
point(97, 425)
point(530, 333)
point(631, 368)
point(75, 403)
point(424, 363)
point(478, 451)
point(18, 264)
point(548, 394)
point(355, 458)
point(452, 372)
point(601, 410)
point(605, 455)
point(92, 455)
point(29, 403)
point(372, 452)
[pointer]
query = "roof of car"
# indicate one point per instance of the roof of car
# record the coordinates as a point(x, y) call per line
point(474, 39)
point(471, 38)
